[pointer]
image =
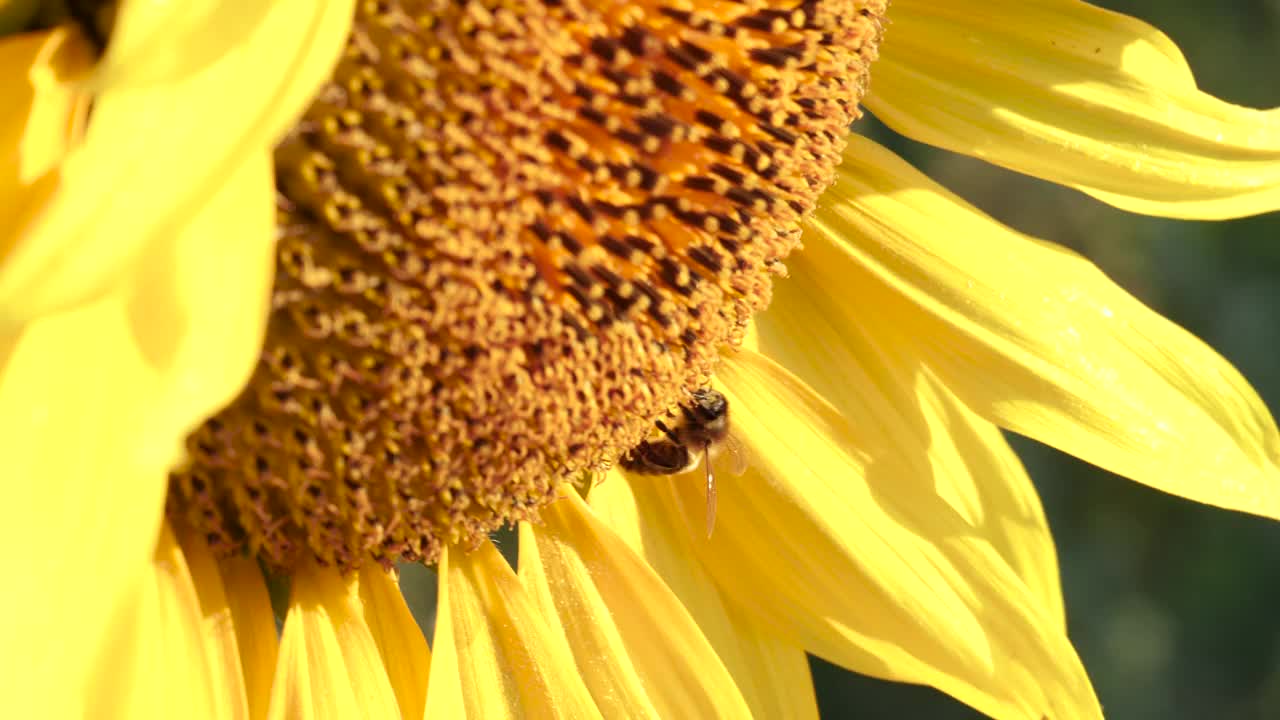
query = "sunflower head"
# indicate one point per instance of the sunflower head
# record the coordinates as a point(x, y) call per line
point(509, 238)
point(512, 234)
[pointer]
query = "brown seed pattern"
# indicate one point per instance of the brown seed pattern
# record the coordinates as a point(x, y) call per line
point(512, 234)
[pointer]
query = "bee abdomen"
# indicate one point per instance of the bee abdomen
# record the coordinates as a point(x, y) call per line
point(661, 457)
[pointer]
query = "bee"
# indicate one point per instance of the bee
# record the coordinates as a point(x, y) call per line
point(700, 433)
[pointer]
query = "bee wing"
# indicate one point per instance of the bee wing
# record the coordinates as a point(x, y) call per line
point(737, 453)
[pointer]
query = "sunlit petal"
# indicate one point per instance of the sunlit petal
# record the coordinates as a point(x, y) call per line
point(79, 480)
point(217, 624)
point(400, 643)
point(867, 571)
point(198, 305)
point(122, 380)
point(43, 104)
point(639, 659)
point(1081, 96)
point(866, 374)
point(772, 673)
point(1038, 340)
point(167, 657)
point(186, 92)
point(493, 656)
point(329, 666)
point(255, 629)
point(990, 488)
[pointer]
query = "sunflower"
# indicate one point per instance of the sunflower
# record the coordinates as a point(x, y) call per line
point(511, 240)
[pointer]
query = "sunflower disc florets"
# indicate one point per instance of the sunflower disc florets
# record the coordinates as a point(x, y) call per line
point(511, 235)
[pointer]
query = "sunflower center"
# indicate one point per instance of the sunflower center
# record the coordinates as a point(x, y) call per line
point(511, 235)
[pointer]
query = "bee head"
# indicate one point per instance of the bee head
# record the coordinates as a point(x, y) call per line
point(707, 406)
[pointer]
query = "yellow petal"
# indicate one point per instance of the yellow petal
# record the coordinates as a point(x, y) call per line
point(43, 109)
point(772, 674)
point(329, 664)
point(255, 625)
point(121, 380)
point(494, 657)
point(1079, 96)
point(217, 623)
point(198, 304)
point(864, 569)
point(82, 483)
point(600, 651)
point(400, 643)
point(185, 94)
point(639, 651)
point(870, 374)
point(992, 491)
point(167, 658)
point(1037, 340)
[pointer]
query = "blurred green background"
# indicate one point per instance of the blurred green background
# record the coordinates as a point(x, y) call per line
point(1174, 607)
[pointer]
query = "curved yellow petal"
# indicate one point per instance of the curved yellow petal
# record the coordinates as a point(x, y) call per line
point(329, 666)
point(73, 394)
point(990, 488)
point(217, 623)
point(1038, 340)
point(122, 380)
point(598, 647)
point(255, 626)
point(167, 656)
point(870, 374)
point(772, 673)
point(865, 569)
point(43, 109)
point(400, 643)
point(493, 656)
point(639, 651)
point(186, 92)
point(1077, 95)
point(198, 304)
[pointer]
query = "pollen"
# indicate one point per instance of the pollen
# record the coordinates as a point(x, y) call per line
point(512, 234)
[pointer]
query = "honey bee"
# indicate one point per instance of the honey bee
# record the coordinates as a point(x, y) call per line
point(701, 432)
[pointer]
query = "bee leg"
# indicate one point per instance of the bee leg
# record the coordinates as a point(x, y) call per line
point(671, 434)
